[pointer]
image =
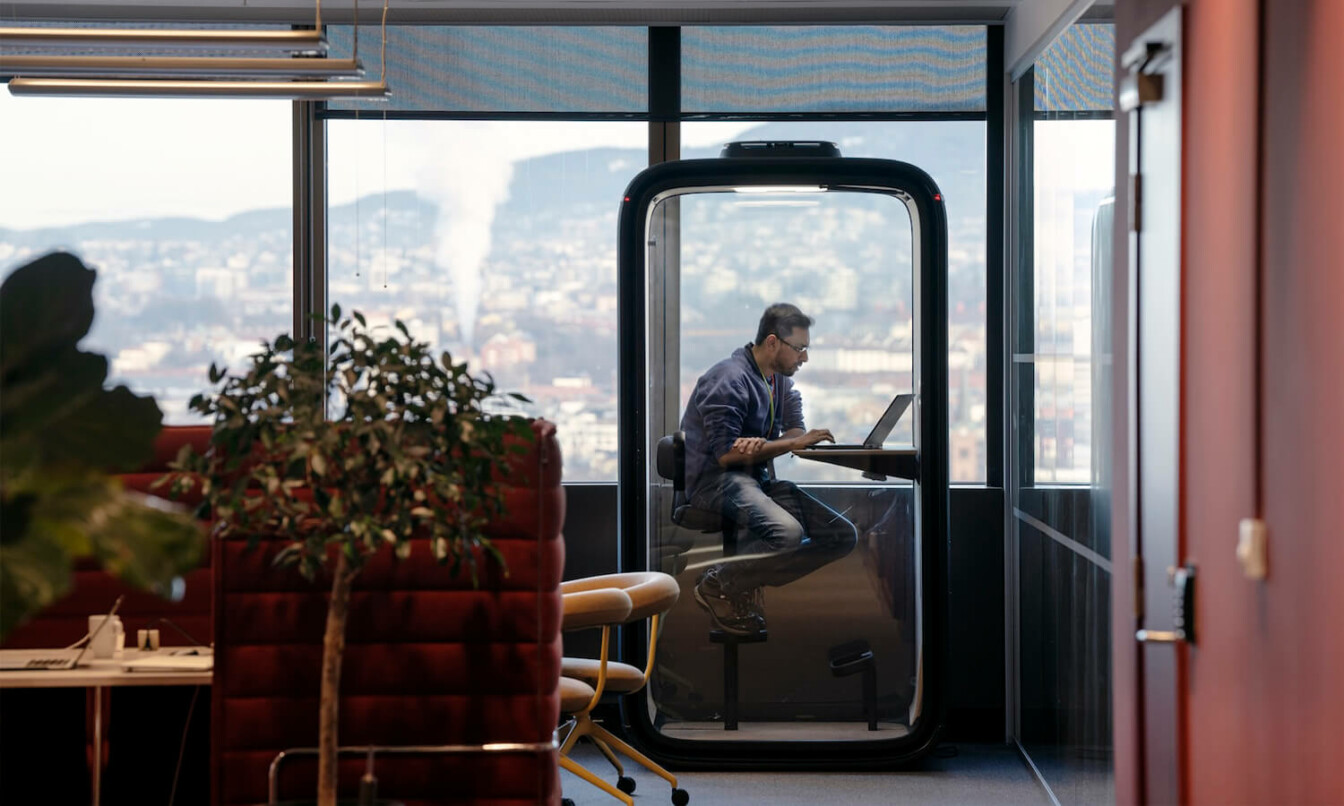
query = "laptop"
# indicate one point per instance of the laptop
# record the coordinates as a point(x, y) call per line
point(190, 660)
point(879, 434)
point(58, 659)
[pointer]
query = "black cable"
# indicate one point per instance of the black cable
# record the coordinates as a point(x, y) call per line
point(182, 749)
point(179, 629)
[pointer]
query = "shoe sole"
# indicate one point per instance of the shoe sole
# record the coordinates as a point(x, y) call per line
point(713, 617)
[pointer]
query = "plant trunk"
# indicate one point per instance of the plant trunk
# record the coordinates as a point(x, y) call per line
point(333, 651)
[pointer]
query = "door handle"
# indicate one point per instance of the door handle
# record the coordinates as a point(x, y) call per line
point(1160, 636)
point(1182, 580)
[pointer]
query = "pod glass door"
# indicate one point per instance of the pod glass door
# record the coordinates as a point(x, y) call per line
point(783, 382)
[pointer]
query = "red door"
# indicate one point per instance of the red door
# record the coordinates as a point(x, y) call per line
point(1267, 686)
point(1259, 695)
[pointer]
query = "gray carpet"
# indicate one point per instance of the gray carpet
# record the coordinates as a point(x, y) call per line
point(992, 775)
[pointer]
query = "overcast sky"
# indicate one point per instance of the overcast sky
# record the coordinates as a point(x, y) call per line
point(71, 160)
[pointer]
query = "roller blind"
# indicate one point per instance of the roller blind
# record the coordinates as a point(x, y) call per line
point(1074, 74)
point(505, 69)
point(837, 69)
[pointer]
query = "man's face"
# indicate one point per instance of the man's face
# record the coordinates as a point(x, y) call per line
point(791, 352)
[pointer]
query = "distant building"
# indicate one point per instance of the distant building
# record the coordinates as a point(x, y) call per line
point(508, 350)
point(966, 446)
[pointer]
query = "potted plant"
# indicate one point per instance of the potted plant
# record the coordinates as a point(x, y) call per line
point(62, 436)
point(348, 451)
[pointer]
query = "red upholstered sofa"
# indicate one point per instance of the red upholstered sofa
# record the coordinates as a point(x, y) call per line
point(94, 590)
point(430, 660)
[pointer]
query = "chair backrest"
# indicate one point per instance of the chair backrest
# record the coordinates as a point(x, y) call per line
point(671, 459)
point(651, 593)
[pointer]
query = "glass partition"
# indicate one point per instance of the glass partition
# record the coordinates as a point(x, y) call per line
point(953, 153)
point(845, 259)
point(1060, 387)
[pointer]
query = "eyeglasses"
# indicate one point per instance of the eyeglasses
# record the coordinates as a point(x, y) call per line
point(799, 350)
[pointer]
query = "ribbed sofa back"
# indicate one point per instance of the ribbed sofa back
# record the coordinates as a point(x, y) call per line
point(429, 660)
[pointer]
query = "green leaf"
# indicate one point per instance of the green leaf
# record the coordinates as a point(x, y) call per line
point(114, 429)
point(147, 546)
point(38, 398)
point(335, 312)
point(284, 343)
point(34, 573)
point(288, 556)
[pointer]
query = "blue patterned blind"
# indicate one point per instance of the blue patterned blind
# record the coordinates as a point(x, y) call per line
point(1075, 72)
point(833, 69)
point(482, 69)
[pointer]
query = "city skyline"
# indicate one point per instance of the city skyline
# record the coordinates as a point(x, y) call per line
point(545, 265)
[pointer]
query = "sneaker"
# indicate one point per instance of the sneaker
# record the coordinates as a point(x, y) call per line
point(752, 605)
point(730, 613)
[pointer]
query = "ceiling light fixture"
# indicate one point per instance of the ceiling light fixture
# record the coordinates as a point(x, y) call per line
point(176, 66)
point(231, 39)
point(193, 77)
point(208, 88)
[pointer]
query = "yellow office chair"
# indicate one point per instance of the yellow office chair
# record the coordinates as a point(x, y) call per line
point(607, 601)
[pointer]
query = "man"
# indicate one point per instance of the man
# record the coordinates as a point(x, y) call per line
point(744, 412)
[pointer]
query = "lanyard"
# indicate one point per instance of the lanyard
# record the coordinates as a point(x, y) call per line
point(770, 388)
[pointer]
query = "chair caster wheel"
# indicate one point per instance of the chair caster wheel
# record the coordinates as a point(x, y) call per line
point(680, 797)
point(626, 784)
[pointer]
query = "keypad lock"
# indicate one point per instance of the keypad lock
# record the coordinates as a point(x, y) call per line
point(1182, 581)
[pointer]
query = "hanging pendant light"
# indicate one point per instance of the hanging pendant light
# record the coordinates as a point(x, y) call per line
point(34, 66)
point(214, 39)
point(167, 88)
point(314, 78)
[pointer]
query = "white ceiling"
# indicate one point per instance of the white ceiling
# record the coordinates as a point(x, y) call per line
point(629, 12)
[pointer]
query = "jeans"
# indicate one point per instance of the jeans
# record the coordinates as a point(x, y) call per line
point(784, 533)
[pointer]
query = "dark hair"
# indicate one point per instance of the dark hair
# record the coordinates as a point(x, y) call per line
point(781, 319)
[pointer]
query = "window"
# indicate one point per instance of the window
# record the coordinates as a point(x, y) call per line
point(1071, 188)
point(846, 259)
point(953, 153)
point(193, 253)
point(495, 241)
point(1071, 92)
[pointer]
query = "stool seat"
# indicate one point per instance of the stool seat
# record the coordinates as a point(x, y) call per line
point(574, 695)
point(717, 636)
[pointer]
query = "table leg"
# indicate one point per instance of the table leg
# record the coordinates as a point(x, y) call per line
point(97, 744)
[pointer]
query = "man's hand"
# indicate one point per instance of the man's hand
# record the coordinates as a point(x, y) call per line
point(812, 437)
point(748, 446)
